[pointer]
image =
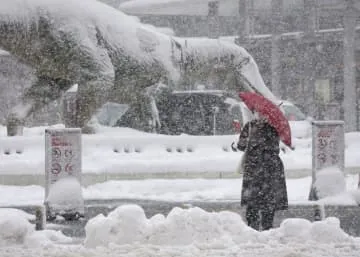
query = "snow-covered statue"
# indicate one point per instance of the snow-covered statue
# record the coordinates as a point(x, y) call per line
point(110, 55)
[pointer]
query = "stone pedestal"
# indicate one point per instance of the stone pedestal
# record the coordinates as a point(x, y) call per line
point(14, 126)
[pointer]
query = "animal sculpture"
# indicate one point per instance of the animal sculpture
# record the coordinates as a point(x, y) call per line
point(111, 56)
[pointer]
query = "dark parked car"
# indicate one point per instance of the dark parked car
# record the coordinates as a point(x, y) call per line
point(202, 112)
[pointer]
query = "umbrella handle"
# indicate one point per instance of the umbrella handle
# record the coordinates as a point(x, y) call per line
point(283, 147)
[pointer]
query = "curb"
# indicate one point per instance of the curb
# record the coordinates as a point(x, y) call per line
point(94, 178)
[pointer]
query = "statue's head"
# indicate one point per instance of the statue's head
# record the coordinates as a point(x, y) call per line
point(249, 74)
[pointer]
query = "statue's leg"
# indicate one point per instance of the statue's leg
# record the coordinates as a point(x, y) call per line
point(141, 99)
point(16, 118)
point(91, 96)
point(43, 91)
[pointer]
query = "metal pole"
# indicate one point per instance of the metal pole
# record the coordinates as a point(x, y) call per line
point(70, 108)
point(350, 16)
point(213, 19)
point(309, 58)
point(276, 27)
point(40, 217)
point(215, 111)
point(244, 25)
point(214, 125)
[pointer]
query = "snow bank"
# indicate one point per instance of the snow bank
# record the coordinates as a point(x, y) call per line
point(14, 226)
point(16, 229)
point(46, 238)
point(128, 224)
point(183, 233)
point(301, 230)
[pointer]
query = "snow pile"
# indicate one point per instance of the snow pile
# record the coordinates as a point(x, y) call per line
point(66, 194)
point(301, 230)
point(330, 181)
point(183, 233)
point(14, 226)
point(16, 229)
point(46, 238)
point(128, 224)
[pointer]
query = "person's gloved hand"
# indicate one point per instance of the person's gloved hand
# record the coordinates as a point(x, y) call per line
point(234, 147)
point(284, 148)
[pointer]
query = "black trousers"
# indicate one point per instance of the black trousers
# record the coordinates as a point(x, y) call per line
point(256, 216)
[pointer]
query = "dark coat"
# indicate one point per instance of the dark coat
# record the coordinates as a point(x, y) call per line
point(264, 178)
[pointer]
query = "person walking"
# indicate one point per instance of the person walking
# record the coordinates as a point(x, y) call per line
point(264, 186)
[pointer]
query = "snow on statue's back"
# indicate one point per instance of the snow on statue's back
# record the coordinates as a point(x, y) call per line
point(84, 22)
point(112, 56)
point(76, 17)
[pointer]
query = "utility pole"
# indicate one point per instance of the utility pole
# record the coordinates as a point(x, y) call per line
point(244, 23)
point(276, 30)
point(349, 103)
point(213, 19)
point(309, 47)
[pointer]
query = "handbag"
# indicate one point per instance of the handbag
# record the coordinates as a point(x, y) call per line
point(241, 165)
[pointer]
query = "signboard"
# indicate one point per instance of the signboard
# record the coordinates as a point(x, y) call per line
point(62, 160)
point(328, 144)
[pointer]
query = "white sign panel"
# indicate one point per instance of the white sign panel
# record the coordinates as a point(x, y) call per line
point(62, 160)
point(328, 144)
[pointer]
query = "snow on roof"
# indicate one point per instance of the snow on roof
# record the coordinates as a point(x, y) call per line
point(178, 7)
point(293, 34)
point(146, 3)
point(200, 7)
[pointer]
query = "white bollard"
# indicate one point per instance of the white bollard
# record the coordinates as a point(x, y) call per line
point(63, 193)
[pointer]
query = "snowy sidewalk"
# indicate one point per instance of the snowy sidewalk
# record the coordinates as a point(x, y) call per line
point(94, 178)
point(179, 190)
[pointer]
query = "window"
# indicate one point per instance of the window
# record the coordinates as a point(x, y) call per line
point(293, 113)
point(322, 90)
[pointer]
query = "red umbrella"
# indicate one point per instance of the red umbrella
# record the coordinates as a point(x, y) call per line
point(271, 112)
